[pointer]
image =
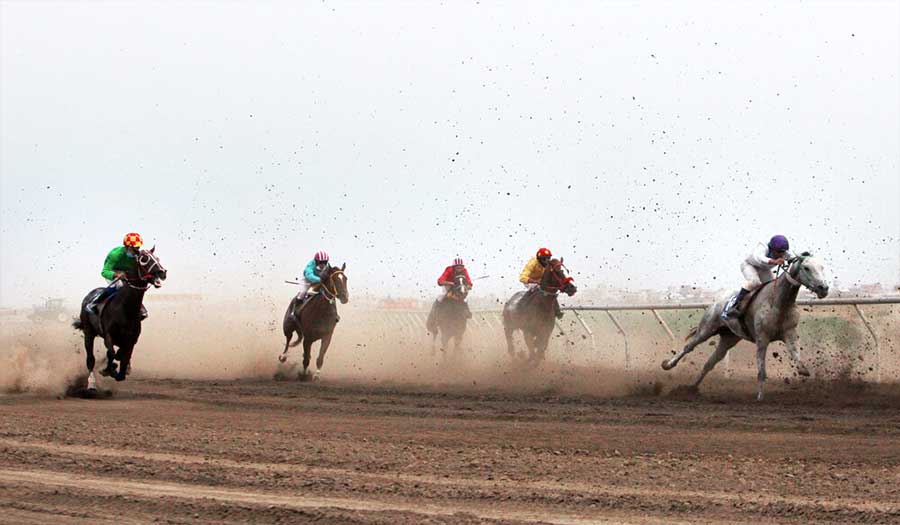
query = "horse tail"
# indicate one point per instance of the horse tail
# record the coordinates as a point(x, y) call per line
point(692, 332)
point(76, 324)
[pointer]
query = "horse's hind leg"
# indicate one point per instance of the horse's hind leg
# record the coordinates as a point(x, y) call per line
point(704, 332)
point(726, 342)
point(90, 359)
point(320, 361)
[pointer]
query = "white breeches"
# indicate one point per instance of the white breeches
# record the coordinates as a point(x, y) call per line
point(755, 277)
point(303, 288)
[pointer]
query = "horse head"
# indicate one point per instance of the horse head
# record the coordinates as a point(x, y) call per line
point(336, 283)
point(808, 271)
point(554, 278)
point(460, 288)
point(149, 268)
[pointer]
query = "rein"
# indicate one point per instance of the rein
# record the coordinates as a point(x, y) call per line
point(561, 283)
point(331, 294)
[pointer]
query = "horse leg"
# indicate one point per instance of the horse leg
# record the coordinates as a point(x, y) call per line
point(124, 356)
point(726, 342)
point(91, 361)
point(307, 348)
point(110, 369)
point(323, 347)
point(434, 336)
point(704, 332)
point(761, 346)
point(510, 346)
point(791, 342)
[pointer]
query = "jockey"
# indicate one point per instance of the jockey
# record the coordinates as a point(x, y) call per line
point(757, 270)
point(312, 274)
point(119, 261)
point(448, 279)
point(534, 270)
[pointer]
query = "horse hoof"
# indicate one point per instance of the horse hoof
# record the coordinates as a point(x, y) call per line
point(106, 372)
point(803, 372)
point(759, 396)
point(316, 377)
point(282, 358)
point(666, 365)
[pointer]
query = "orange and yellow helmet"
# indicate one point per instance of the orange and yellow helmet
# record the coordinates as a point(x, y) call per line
point(543, 252)
point(133, 240)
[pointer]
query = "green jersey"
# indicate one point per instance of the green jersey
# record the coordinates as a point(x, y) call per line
point(117, 261)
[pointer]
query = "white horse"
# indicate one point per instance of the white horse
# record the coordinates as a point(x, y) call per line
point(772, 315)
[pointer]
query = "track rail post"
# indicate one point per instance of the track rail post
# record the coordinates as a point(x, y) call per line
point(871, 330)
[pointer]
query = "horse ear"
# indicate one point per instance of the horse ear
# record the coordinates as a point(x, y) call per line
point(806, 254)
point(561, 260)
point(153, 249)
point(343, 267)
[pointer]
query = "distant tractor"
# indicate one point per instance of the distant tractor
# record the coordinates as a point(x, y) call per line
point(52, 309)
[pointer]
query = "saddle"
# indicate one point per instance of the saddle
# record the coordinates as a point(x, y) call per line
point(738, 325)
point(745, 302)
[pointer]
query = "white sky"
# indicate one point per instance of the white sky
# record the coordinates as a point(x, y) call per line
point(650, 144)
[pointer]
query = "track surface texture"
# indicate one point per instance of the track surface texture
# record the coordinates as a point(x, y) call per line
point(175, 451)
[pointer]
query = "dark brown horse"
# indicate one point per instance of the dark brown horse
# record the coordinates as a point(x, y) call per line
point(119, 321)
point(315, 319)
point(533, 311)
point(449, 316)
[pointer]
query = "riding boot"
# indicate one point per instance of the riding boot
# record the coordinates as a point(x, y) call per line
point(734, 306)
point(95, 302)
point(144, 313)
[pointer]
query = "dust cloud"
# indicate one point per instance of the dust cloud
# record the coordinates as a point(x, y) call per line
point(227, 340)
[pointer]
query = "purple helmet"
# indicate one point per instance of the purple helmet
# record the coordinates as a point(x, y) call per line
point(779, 243)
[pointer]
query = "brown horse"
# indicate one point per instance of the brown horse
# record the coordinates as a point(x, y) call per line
point(448, 317)
point(533, 311)
point(315, 319)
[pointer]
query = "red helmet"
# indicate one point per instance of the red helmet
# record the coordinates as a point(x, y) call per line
point(458, 262)
point(133, 240)
point(544, 252)
point(321, 257)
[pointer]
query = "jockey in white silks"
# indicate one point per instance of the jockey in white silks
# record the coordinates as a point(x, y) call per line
point(757, 269)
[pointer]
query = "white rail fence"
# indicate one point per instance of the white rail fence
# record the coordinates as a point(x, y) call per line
point(413, 321)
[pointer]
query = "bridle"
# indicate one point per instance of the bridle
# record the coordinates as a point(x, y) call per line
point(561, 283)
point(145, 275)
point(460, 280)
point(332, 294)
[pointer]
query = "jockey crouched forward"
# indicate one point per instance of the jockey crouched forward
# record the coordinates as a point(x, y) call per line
point(534, 270)
point(757, 270)
point(119, 261)
point(447, 281)
point(312, 276)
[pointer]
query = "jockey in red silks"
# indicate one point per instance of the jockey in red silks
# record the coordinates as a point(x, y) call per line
point(447, 280)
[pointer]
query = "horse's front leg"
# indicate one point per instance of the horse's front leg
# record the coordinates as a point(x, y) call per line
point(124, 356)
point(307, 351)
point(761, 346)
point(791, 341)
point(110, 369)
point(320, 361)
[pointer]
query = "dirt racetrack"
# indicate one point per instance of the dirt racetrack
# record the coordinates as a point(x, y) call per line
point(260, 451)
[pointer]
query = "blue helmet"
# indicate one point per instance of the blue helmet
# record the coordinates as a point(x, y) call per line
point(779, 243)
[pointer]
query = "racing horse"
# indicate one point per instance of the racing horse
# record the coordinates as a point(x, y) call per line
point(771, 315)
point(533, 311)
point(449, 316)
point(119, 319)
point(315, 319)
